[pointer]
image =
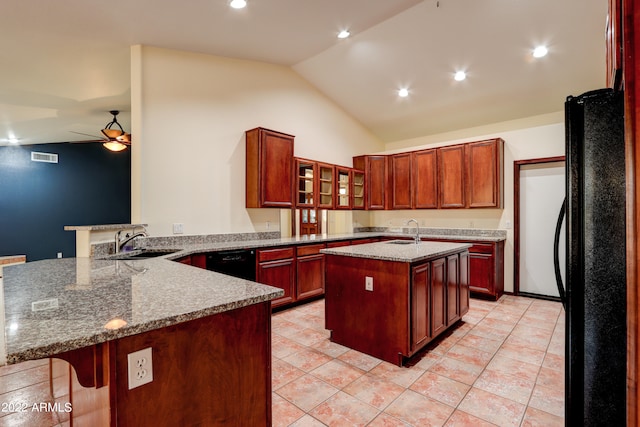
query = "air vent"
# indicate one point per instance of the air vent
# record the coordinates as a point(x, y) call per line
point(44, 157)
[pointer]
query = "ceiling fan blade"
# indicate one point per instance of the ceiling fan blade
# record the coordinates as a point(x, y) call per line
point(92, 136)
point(125, 138)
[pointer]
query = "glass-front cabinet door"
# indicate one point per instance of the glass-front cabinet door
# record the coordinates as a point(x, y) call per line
point(325, 186)
point(357, 189)
point(306, 188)
point(343, 188)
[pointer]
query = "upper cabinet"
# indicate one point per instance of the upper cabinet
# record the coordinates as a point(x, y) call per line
point(326, 178)
point(306, 187)
point(484, 173)
point(269, 169)
point(343, 188)
point(401, 188)
point(375, 174)
point(357, 189)
point(466, 175)
point(451, 177)
point(424, 179)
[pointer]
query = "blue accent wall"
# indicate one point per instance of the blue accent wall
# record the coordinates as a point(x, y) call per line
point(88, 185)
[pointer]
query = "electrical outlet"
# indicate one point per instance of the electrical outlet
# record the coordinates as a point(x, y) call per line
point(140, 367)
point(508, 225)
point(368, 283)
point(59, 254)
point(178, 228)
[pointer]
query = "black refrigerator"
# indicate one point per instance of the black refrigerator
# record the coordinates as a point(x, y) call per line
point(595, 293)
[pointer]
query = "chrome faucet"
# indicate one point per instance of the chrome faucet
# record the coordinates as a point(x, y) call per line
point(121, 241)
point(417, 238)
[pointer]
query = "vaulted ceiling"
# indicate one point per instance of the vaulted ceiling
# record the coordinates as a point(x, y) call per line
point(65, 63)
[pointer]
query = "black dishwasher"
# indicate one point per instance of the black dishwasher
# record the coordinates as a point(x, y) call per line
point(237, 263)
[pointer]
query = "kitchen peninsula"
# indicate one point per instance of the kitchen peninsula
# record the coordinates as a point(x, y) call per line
point(209, 336)
point(390, 299)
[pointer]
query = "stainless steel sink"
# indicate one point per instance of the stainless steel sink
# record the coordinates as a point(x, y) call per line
point(401, 242)
point(143, 254)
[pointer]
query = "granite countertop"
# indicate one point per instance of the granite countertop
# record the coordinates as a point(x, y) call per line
point(186, 245)
point(398, 250)
point(57, 305)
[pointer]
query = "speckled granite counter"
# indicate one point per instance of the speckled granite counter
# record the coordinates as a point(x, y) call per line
point(53, 306)
point(398, 250)
point(208, 243)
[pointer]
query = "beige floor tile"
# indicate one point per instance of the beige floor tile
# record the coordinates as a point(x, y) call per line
point(492, 408)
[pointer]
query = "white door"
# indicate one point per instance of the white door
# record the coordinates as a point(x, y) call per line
point(542, 190)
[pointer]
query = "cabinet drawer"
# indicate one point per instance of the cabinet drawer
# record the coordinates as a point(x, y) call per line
point(309, 249)
point(482, 248)
point(274, 254)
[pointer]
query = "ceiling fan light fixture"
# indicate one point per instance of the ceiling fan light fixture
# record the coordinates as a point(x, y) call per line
point(115, 132)
point(114, 145)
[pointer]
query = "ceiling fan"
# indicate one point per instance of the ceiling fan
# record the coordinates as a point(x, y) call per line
point(115, 138)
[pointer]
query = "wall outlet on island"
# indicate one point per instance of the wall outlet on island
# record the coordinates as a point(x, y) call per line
point(368, 283)
point(59, 254)
point(140, 367)
point(178, 228)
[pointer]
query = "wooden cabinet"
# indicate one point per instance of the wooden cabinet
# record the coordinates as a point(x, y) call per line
point(406, 309)
point(424, 179)
point(438, 297)
point(343, 188)
point(420, 308)
point(486, 269)
point(375, 172)
point(401, 184)
point(310, 271)
point(463, 277)
point(269, 169)
point(484, 173)
point(307, 186)
point(358, 200)
point(276, 267)
point(451, 176)
point(453, 289)
point(326, 179)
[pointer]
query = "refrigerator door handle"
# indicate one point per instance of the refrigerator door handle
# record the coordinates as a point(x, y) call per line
point(556, 256)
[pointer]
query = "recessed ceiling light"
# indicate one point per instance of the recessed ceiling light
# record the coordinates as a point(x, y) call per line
point(460, 76)
point(540, 51)
point(344, 34)
point(404, 92)
point(238, 4)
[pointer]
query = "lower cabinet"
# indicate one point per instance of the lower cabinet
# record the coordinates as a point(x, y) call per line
point(486, 265)
point(299, 271)
point(409, 305)
point(276, 267)
point(310, 272)
point(484, 272)
point(420, 290)
point(439, 296)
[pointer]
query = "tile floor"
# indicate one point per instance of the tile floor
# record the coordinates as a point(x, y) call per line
point(502, 365)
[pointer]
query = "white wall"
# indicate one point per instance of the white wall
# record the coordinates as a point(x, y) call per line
point(189, 114)
point(532, 140)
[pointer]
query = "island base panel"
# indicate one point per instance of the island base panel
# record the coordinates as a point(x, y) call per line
point(214, 371)
point(372, 322)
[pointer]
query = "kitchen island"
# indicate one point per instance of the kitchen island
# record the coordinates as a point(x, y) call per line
point(209, 336)
point(390, 299)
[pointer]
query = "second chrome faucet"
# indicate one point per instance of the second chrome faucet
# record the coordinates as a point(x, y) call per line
point(417, 238)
